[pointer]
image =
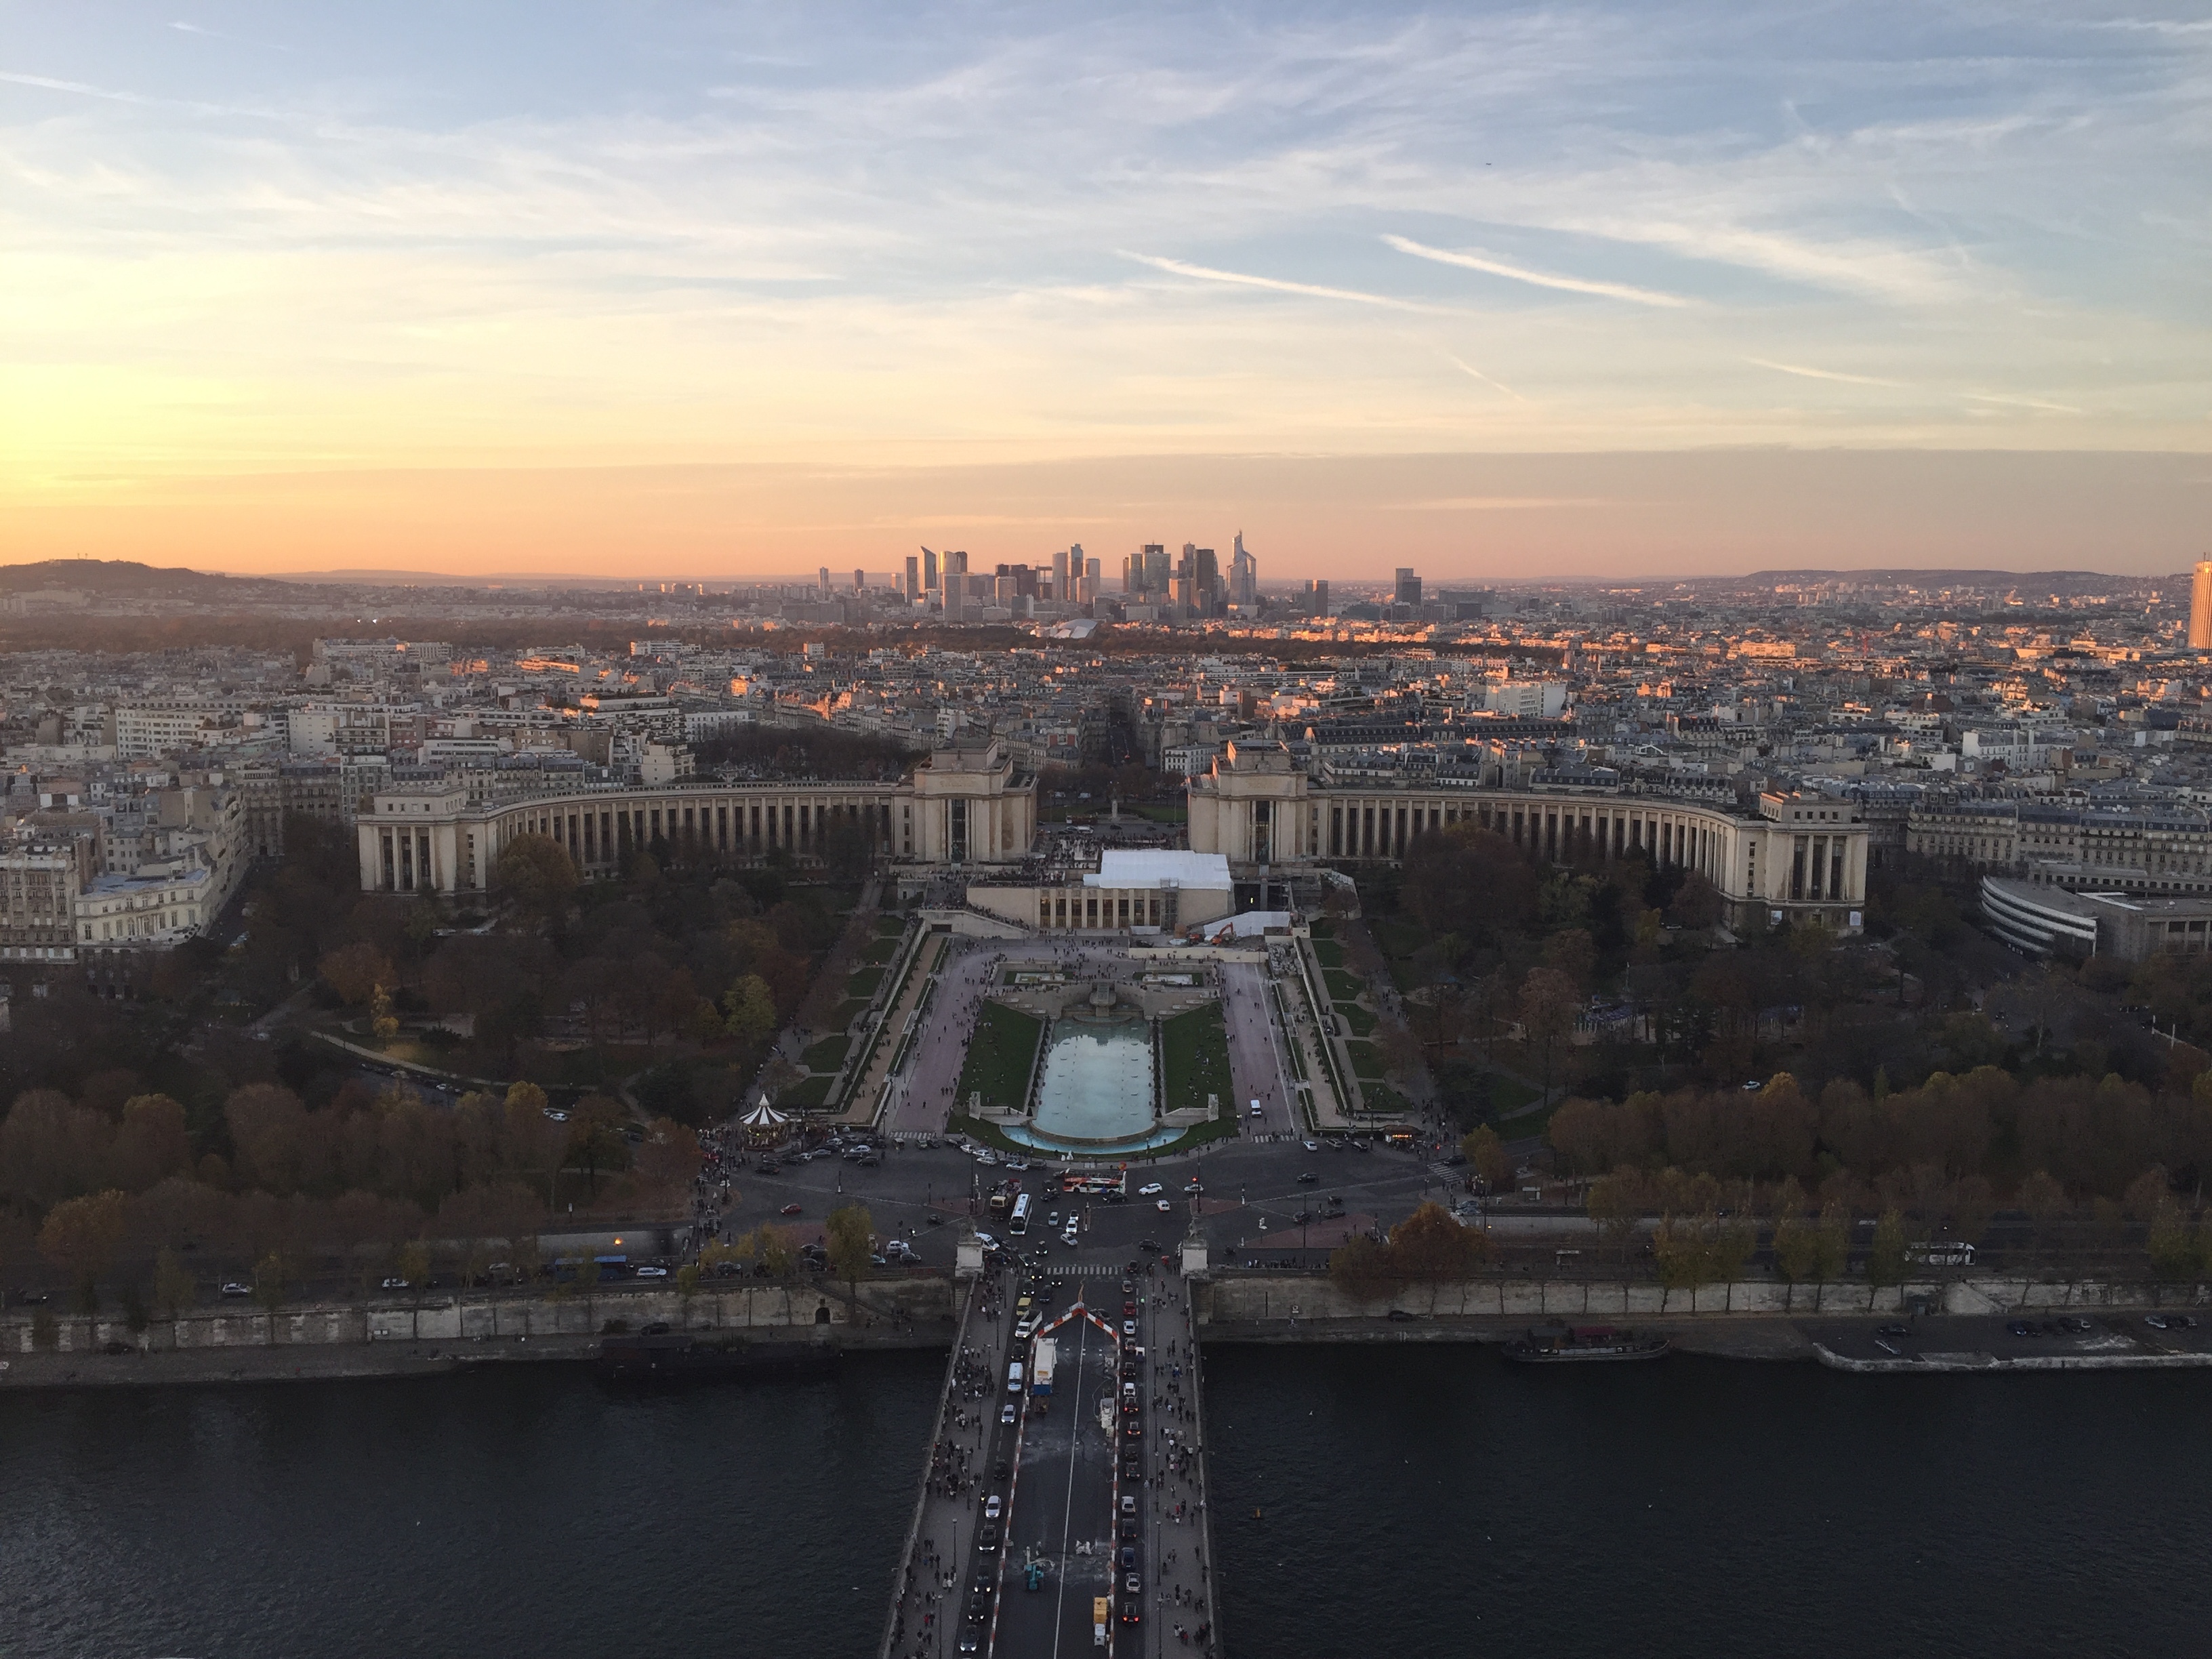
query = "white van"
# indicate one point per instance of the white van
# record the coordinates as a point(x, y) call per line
point(1255, 1109)
point(1014, 1378)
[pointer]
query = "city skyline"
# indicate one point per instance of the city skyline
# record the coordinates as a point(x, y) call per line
point(1623, 293)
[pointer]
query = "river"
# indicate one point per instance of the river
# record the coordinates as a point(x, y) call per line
point(1413, 1502)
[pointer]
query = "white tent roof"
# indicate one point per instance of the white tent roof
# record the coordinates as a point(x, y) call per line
point(1151, 866)
point(764, 1115)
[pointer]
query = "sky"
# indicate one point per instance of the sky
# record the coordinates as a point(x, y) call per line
point(718, 290)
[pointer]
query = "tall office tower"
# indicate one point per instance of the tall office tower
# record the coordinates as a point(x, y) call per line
point(1060, 562)
point(1409, 586)
point(929, 570)
point(2200, 608)
point(956, 594)
point(825, 581)
point(1317, 598)
point(1156, 570)
point(1243, 574)
point(1205, 577)
point(956, 564)
point(1186, 572)
point(913, 577)
point(859, 580)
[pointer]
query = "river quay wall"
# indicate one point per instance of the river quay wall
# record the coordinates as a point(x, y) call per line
point(1226, 1301)
point(922, 1304)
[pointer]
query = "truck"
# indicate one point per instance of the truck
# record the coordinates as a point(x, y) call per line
point(1040, 1366)
point(1100, 1608)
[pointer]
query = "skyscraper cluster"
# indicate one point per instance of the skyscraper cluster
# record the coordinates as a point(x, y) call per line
point(1194, 584)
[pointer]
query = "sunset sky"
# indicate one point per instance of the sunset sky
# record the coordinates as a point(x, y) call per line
point(694, 290)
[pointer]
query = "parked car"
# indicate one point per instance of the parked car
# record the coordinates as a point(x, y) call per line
point(790, 1209)
point(652, 1273)
point(389, 1285)
point(237, 1291)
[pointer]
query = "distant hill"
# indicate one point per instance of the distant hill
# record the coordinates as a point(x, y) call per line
point(107, 576)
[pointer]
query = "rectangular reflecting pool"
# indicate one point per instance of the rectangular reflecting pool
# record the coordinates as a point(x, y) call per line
point(1097, 1080)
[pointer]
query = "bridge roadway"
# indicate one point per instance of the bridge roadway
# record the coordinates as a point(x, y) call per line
point(1063, 1499)
point(1060, 1472)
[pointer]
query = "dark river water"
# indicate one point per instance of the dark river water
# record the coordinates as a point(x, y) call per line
point(1412, 1501)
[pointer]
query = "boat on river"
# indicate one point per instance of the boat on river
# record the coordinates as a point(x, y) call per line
point(1573, 1345)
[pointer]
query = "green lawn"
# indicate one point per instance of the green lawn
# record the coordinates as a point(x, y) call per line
point(827, 1054)
point(1322, 929)
point(1383, 1101)
point(1366, 1063)
point(1194, 1059)
point(847, 1012)
point(880, 951)
point(1510, 1094)
point(1362, 1023)
point(810, 1091)
point(890, 925)
point(863, 983)
point(1343, 987)
point(1000, 1058)
point(1330, 953)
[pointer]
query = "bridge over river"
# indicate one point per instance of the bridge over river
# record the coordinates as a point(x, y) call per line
point(1063, 1514)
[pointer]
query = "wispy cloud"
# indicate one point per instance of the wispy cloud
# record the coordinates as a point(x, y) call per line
point(1462, 364)
point(2013, 402)
point(1801, 370)
point(1642, 297)
point(1276, 284)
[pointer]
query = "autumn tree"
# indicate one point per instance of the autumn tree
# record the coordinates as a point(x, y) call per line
point(1359, 1268)
point(1549, 1002)
point(750, 1006)
point(595, 1138)
point(1429, 1247)
point(355, 971)
point(1486, 1156)
point(1886, 1258)
point(1615, 1203)
point(80, 1236)
point(850, 1233)
point(173, 1291)
point(536, 873)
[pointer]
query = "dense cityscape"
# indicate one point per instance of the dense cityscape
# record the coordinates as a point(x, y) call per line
point(969, 832)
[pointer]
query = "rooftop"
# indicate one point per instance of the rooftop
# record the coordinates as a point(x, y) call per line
point(1148, 866)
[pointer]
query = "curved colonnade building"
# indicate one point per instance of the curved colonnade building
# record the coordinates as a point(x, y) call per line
point(964, 806)
point(1799, 857)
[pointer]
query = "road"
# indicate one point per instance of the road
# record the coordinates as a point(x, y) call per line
point(1255, 1058)
point(1063, 1496)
